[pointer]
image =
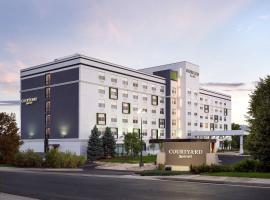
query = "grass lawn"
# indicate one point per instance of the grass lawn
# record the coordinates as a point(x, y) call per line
point(5, 165)
point(240, 174)
point(128, 159)
point(157, 172)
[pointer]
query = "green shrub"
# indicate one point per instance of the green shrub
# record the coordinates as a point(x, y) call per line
point(247, 165)
point(28, 159)
point(210, 168)
point(161, 167)
point(56, 159)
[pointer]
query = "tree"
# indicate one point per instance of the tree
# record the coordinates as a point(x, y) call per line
point(258, 142)
point(108, 143)
point(132, 144)
point(9, 138)
point(95, 146)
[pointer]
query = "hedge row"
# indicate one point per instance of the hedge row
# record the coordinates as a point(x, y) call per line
point(53, 159)
point(247, 165)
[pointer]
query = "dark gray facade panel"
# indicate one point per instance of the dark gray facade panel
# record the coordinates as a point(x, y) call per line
point(34, 82)
point(166, 74)
point(65, 76)
point(33, 116)
point(65, 111)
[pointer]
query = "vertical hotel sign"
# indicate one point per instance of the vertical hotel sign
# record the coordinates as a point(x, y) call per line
point(186, 153)
point(29, 101)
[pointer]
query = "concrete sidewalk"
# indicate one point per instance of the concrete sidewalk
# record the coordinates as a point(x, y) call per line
point(258, 182)
point(4, 196)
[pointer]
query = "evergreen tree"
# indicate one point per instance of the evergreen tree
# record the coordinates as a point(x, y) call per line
point(95, 147)
point(132, 144)
point(258, 142)
point(108, 143)
point(9, 137)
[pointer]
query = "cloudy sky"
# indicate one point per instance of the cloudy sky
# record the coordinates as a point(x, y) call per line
point(229, 39)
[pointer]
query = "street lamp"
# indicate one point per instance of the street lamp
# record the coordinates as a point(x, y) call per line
point(141, 141)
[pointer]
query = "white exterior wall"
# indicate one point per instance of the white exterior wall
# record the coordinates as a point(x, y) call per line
point(90, 98)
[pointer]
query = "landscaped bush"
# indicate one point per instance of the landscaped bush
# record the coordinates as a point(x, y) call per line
point(248, 165)
point(27, 159)
point(56, 159)
point(210, 168)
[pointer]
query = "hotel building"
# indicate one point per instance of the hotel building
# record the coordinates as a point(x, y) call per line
point(66, 98)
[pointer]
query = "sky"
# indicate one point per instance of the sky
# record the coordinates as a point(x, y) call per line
point(229, 39)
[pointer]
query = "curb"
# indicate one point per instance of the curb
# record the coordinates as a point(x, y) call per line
point(221, 182)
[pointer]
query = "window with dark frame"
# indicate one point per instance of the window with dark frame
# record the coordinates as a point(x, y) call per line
point(125, 108)
point(206, 108)
point(161, 123)
point(101, 118)
point(154, 100)
point(47, 79)
point(48, 93)
point(48, 120)
point(48, 107)
point(113, 93)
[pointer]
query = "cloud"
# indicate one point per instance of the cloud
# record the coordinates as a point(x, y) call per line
point(230, 87)
point(223, 84)
point(10, 103)
point(264, 17)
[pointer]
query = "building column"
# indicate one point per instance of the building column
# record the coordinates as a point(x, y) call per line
point(241, 150)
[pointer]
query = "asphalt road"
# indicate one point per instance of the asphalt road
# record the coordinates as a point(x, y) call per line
point(61, 186)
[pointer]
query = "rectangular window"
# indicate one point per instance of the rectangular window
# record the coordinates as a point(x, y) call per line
point(101, 90)
point(114, 106)
point(144, 121)
point(161, 123)
point(101, 118)
point(161, 100)
point(135, 108)
point(174, 122)
point(225, 112)
point(173, 90)
point(135, 97)
point(225, 127)
point(114, 80)
point(144, 110)
point(201, 125)
point(125, 108)
point(48, 132)
point(125, 82)
point(48, 79)
point(174, 101)
point(144, 86)
point(154, 111)
point(161, 110)
point(154, 88)
point(144, 98)
point(162, 133)
point(206, 125)
point(48, 120)
point(114, 119)
point(48, 93)
point(206, 108)
point(144, 132)
point(124, 120)
point(101, 104)
point(154, 122)
point(212, 126)
point(162, 89)
point(135, 84)
point(114, 132)
point(101, 77)
point(154, 133)
point(48, 107)
point(125, 94)
point(216, 118)
point(136, 130)
point(135, 120)
point(113, 93)
point(154, 100)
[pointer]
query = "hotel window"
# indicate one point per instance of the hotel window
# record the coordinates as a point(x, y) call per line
point(154, 133)
point(224, 119)
point(154, 100)
point(154, 122)
point(144, 110)
point(161, 123)
point(195, 104)
point(161, 111)
point(101, 104)
point(48, 131)
point(173, 111)
point(173, 90)
point(162, 133)
point(144, 98)
point(114, 132)
point(113, 93)
point(189, 123)
point(206, 117)
point(220, 118)
point(144, 121)
point(174, 101)
point(189, 102)
point(144, 132)
point(144, 86)
point(114, 80)
point(201, 125)
point(195, 94)
point(173, 133)
point(206, 108)
point(136, 130)
point(48, 120)
point(135, 120)
point(212, 127)
point(174, 122)
point(201, 99)
point(195, 124)
point(211, 117)
point(135, 84)
point(125, 82)
point(154, 111)
point(195, 114)
point(48, 93)
point(161, 100)
point(189, 92)
point(125, 108)
point(216, 102)
point(216, 126)
point(114, 106)
point(101, 119)
point(189, 113)
point(101, 77)
point(206, 125)
point(201, 117)
point(154, 88)
point(220, 126)
point(125, 94)
point(135, 96)
point(48, 107)
point(135, 108)
point(124, 131)
point(162, 89)
point(48, 79)
point(113, 119)
point(216, 118)
point(124, 120)
point(101, 90)
point(225, 127)
point(201, 108)
point(225, 111)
